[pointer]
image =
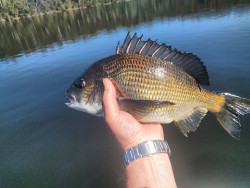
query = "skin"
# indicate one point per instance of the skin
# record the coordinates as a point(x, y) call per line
point(153, 171)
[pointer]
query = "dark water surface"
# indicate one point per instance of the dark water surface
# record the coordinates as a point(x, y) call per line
point(45, 144)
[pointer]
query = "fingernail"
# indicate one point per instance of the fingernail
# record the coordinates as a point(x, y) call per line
point(106, 84)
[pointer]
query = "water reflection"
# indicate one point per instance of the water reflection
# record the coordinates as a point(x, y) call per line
point(26, 35)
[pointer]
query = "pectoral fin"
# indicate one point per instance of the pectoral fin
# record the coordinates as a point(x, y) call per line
point(141, 109)
point(119, 92)
point(192, 121)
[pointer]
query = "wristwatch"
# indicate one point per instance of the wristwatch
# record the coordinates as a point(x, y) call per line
point(144, 149)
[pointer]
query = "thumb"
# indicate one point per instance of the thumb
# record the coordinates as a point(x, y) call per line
point(111, 107)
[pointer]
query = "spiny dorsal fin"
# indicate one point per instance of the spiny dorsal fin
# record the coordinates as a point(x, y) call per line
point(189, 62)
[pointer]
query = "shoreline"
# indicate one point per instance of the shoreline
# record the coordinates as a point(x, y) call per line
point(16, 18)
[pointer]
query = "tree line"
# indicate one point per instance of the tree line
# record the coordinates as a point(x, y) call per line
point(21, 8)
point(39, 32)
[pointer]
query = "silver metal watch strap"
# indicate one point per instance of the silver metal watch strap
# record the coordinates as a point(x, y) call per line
point(146, 148)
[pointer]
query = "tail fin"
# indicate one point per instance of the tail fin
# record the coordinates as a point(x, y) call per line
point(228, 115)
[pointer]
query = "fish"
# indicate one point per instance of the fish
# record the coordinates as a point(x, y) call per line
point(157, 84)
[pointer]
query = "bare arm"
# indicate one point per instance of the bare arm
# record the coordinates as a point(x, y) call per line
point(153, 171)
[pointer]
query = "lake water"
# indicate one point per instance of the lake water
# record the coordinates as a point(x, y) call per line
point(45, 144)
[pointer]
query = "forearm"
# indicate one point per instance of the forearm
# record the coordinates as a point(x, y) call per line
point(153, 171)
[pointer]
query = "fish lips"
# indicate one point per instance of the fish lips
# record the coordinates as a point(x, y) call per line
point(71, 98)
point(73, 103)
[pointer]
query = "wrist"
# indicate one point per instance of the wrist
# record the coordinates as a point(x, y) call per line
point(153, 132)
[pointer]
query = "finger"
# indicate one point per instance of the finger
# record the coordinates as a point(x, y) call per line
point(111, 107)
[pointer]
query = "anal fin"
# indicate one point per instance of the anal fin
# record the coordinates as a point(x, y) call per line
point(191, 122)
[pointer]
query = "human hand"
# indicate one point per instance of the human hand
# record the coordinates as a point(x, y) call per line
point(127, 130)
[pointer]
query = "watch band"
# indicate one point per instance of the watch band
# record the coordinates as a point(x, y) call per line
point(146, 148)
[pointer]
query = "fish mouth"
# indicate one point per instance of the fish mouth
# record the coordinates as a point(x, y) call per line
point(71, 99)
point(94, 109)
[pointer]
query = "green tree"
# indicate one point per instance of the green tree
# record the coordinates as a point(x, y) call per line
point(12, 8)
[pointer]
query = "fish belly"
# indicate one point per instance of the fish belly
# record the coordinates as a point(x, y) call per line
point(165, 114)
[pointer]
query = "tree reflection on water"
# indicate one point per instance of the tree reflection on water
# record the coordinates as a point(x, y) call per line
point(26, 35)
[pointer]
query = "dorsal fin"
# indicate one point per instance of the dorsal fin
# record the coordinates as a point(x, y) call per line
point(189, 62)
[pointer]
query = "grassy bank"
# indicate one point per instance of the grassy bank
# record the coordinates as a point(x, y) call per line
point(16, 9)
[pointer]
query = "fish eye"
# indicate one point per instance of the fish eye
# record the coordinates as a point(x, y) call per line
point(80, 83)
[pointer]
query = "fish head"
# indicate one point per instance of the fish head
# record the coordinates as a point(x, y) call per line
point(86, 92)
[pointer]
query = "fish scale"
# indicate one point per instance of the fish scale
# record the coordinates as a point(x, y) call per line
point(157, 84)
point(154, 87)
point(174, 86)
